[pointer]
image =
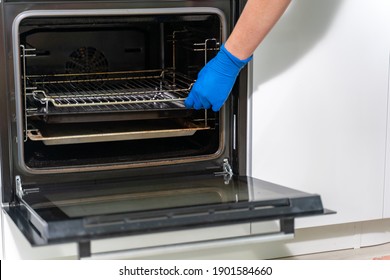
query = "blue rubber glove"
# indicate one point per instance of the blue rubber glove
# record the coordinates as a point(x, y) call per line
point(215, 81)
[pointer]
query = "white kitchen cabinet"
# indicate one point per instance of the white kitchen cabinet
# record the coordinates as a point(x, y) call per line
point(17, 247)
point(320, 106)
point(305, 241)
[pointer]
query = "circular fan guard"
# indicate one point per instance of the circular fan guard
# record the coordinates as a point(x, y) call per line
point(87, 60)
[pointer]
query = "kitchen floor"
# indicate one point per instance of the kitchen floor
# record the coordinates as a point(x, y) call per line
point(366, 253)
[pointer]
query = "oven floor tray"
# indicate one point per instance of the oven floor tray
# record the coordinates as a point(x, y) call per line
point(104, 132)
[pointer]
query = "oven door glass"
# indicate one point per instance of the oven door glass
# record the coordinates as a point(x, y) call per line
point(51, 214)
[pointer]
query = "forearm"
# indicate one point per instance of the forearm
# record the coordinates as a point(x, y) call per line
point(216, 79)
point(256, 20)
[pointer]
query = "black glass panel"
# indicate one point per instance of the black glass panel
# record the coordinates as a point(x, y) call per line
point(134, 196)
point(102, 209)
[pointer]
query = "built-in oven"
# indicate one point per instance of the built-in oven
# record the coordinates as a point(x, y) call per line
point(95, 139)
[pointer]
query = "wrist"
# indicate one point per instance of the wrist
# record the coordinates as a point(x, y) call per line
point(238, 51)
point(240, 63)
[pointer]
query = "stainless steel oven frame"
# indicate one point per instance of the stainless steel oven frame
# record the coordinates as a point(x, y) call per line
point(13, 159)
point(18, 72)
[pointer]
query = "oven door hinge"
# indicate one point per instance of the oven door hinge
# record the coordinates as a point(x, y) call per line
point(227, 171)
point(20, 191)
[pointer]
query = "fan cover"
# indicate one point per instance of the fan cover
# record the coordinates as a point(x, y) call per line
point(86, 60)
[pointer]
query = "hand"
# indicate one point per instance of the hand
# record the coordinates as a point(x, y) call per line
point(215, 81)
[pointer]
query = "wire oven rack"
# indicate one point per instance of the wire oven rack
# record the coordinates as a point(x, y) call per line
point(150, 89)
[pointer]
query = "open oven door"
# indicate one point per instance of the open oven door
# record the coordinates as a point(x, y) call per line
point(52, 214)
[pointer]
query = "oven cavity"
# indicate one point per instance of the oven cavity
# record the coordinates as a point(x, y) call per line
point(100, 90)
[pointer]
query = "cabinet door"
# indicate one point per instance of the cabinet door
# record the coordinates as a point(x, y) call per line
point(319, 105)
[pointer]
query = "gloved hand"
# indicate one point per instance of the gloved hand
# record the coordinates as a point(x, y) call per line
point(215, 81)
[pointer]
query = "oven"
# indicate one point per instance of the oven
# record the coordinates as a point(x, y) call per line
point(95, 139)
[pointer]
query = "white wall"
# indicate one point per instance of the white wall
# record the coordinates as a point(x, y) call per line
point(386, 212)
point(320, 94)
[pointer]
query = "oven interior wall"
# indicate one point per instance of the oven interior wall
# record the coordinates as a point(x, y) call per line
point(108, 50)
